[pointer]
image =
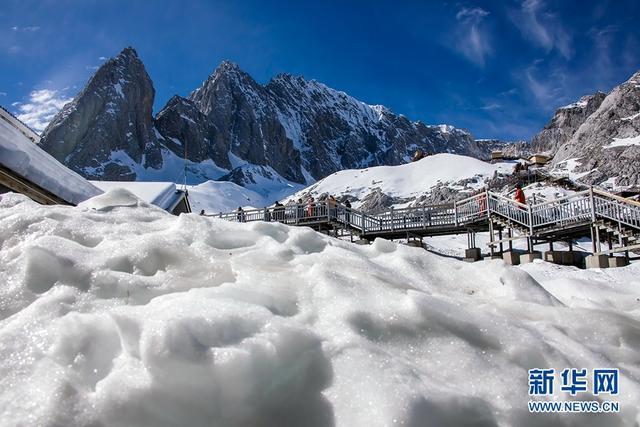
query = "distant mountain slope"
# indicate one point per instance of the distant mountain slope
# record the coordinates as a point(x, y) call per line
point(302, 130)
point(434, 179)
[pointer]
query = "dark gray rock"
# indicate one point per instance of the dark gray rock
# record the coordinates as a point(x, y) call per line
point(565, 123)
point(592, 147)
point(185, 130)
point(305, 130)
point(109, 125)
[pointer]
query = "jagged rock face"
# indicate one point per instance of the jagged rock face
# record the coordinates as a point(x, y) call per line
point(593, 145)
point(305, 130)
point(185, 130)
point(110, 119)
point(241, 110)
point(302, 130)
point(565, 123)
point(334, 131)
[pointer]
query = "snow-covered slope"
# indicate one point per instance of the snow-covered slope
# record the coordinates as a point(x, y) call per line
point(406, 183)
point(247, 185)
point(25, 157)
point(119, 314)
point(223, 196)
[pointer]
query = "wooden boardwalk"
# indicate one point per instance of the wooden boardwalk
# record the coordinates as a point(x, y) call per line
point(606, 218)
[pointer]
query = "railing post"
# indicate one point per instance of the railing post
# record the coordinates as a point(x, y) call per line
point(486, 200)
point(530, 220)
point(593, 204)
point(455, 213)
point(364, 226)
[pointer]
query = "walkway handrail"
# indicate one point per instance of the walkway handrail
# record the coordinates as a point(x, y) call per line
point(580, 207)
point(613, 196)
point(560, 199)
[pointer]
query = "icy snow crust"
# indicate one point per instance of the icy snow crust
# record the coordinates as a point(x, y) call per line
point(117, 313)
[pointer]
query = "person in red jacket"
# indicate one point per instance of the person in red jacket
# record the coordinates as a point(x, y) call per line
point(519, 196)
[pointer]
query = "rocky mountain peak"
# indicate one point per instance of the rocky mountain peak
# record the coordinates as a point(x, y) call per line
point(299, 129)
point(112, 114)
point(565, 123)
point(604, 149)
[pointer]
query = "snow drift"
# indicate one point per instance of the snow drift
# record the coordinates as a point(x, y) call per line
point(117, 313)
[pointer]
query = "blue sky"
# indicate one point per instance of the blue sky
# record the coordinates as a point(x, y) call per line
point(498, 68)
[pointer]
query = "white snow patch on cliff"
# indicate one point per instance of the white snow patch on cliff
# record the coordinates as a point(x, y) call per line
point(624, 142)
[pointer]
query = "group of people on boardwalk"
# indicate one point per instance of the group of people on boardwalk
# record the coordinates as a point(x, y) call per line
point(301, 211)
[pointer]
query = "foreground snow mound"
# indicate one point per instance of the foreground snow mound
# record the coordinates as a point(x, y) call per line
point(116, 313)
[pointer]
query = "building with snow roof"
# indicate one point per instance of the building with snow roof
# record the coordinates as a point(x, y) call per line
point(165, 195)
point(27, 169)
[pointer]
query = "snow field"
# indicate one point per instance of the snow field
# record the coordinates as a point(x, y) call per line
point(408, 180)
point(117, 313)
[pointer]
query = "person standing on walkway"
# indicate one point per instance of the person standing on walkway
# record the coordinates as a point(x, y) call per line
point(240, 214)
point(300, 209)
point(519, 196)
point(347, 211)
point(331, 205)
point(311, 207)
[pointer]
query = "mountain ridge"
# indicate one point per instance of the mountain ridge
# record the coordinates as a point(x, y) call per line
point(302, 129)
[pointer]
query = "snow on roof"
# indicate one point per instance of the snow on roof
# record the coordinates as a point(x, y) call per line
point(19, 154)
point(161, 194)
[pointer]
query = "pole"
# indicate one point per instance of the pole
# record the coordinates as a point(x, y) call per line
point(455, 213)
point(491, 239)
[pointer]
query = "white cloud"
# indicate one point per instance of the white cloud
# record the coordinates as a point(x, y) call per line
point(27, 29)
point(42, 107)
point(549, 90)
point(471, 38)
point(3, 93)
point(542, 27)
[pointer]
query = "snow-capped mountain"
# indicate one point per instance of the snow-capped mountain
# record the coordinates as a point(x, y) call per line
point(597, 139)
point(302, 130)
